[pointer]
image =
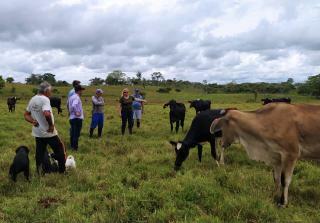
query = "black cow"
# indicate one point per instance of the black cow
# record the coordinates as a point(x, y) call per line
point(11, 102)
point(198, 133)
point(272, 100)
point(177, 114)
point(55, 102)
point(200, 105)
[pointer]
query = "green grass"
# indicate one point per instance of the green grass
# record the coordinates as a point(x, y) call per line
point(131, 178)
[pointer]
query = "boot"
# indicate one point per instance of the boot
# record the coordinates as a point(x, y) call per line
point(130, 131)
point(99, 132)
point(91, 132)
point(138, 123)
point(123, 130)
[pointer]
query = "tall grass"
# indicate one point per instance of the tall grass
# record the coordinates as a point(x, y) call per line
point(131, 178)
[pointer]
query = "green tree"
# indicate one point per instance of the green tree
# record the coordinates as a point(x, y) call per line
point(34, 79)
point(9, 80)
point(156, 77)
point(50, 78)
point(96, 81)
point(2, 82)
point(116, 77)
point(313, 84)
point(62, 83)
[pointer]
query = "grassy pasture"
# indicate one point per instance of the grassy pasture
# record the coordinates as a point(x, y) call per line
point(131, 178)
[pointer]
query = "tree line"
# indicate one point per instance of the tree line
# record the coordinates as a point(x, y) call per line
point(117, 77)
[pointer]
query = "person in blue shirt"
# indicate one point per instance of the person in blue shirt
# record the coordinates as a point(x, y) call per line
point(137, 107)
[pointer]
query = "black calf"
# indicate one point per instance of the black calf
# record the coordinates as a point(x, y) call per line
point(200, 105)
point(177, 114)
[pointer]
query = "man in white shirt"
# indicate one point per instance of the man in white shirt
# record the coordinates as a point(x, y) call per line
point(39, 114)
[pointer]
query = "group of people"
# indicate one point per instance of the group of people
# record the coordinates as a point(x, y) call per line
point(39, 114)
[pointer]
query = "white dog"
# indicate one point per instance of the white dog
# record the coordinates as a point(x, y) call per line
point(70, 162)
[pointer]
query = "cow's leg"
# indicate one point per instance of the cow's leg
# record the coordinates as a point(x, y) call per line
point(221, 159)
point(182, 123)
point(213, 150)
point(177, 126)
point(277, 180)
point(171, 126)
point(199, 152)
point(286, 176)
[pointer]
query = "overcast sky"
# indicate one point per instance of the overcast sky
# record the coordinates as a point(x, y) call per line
point(196, 40)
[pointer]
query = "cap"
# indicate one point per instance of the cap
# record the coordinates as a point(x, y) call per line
point(78, 88)
point(75, 82)
point(99, 91)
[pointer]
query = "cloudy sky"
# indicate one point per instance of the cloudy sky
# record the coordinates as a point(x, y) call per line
point(214, 40)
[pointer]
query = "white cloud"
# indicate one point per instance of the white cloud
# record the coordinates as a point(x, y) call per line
point(220, 41)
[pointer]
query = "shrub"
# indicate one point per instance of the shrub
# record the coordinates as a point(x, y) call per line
point(178, 90)
point(164, 90)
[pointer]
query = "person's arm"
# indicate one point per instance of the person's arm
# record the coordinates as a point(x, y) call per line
point(28, 118)
point(76, 107)
point(46, 109)
point(47, 115)
point(139, 99)
point(95, 101)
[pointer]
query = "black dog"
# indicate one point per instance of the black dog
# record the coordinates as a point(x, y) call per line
point(20, 163)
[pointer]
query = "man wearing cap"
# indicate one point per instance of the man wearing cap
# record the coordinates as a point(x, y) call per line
point(76, 116)
point(97, 112)
point(72, 92)
point(137, 107)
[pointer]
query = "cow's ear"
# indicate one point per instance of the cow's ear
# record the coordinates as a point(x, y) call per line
point(217, 124)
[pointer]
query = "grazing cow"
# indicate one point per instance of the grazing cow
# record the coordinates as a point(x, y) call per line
point(11, 102)
point(291, 133)
point(177, 114)
point(200, 105)
point(198, 133)
point(272, 100)
point(55, 102)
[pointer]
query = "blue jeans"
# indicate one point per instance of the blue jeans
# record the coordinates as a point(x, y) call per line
point(97, 120)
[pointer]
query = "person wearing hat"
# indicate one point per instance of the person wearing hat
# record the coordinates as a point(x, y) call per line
point(137, 107)
point(97, 113)
point(74, 84)
point(72, 92)
point(76, 116)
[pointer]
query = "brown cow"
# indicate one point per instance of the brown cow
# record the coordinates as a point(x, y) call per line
point(277, 134)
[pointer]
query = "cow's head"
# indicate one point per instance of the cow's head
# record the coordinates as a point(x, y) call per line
point(194, 103)
point(182, 153)
point(170, 103)
point(224, 124)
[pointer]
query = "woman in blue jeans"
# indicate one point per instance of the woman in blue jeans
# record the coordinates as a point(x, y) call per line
point(125, 110)
point(97, 113)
